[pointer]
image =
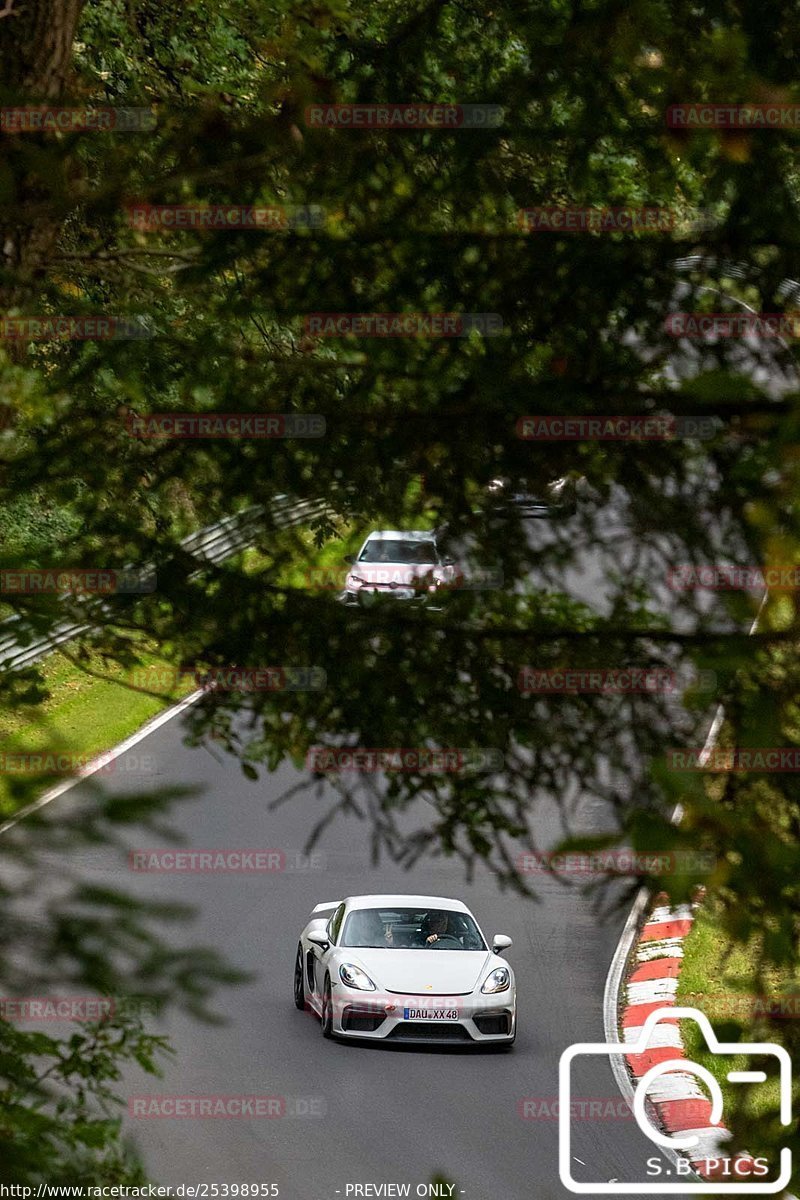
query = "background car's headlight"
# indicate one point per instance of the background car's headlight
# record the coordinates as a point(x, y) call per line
point(354, 977)
point(498, 981)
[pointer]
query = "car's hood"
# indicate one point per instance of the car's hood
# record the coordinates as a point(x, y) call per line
point(423, 972)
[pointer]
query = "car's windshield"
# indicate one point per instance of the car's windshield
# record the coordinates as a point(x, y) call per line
point(411, 929)
point(392, 550)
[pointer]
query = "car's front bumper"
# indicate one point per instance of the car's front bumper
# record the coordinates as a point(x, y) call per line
point(367, 595)
point(482, 1019)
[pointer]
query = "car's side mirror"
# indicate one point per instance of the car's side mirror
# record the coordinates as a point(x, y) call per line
point(319, 938)
point(500, 942)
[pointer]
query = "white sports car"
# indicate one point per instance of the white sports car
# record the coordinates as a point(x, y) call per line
point(405, 968)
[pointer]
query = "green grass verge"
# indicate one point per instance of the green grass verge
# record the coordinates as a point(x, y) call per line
point(82, 716)
point(720, 979)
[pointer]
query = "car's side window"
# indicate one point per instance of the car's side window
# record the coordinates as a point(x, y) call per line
point(335, 924)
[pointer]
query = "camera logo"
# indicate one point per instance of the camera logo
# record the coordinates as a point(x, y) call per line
point(651, 1037)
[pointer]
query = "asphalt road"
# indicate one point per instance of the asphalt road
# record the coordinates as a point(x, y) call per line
point(359, 1114)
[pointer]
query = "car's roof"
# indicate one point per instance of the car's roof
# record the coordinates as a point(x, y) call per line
point(399, 900)
point(413, 535)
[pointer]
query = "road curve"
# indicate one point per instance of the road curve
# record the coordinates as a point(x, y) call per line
point(375, 1115)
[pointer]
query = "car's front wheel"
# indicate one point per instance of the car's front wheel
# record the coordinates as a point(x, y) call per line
point(299, 987)
point(327, 1009)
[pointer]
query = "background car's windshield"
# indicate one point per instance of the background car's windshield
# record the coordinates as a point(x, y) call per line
point(410, 929)
point(392, 550)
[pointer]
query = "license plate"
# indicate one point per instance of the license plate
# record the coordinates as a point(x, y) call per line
point(430, 1014)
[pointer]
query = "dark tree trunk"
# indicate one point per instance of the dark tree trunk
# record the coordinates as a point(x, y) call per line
point(36, 38)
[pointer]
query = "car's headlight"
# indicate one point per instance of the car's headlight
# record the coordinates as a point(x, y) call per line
point(498, 981)
point(354, 977)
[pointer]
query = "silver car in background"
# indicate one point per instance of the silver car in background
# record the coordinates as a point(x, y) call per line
point(407, 565)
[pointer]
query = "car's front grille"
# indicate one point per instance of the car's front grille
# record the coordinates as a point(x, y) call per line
point(495, 1023)
point(424, 999)
point(355, 1021)
point(439, 1031)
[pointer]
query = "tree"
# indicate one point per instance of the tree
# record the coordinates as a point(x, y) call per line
point(427, 221)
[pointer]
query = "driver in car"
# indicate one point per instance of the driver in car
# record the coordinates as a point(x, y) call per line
point(436, 925)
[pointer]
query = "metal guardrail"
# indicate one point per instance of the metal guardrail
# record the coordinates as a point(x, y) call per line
point(787, 290)
point(20, 645)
